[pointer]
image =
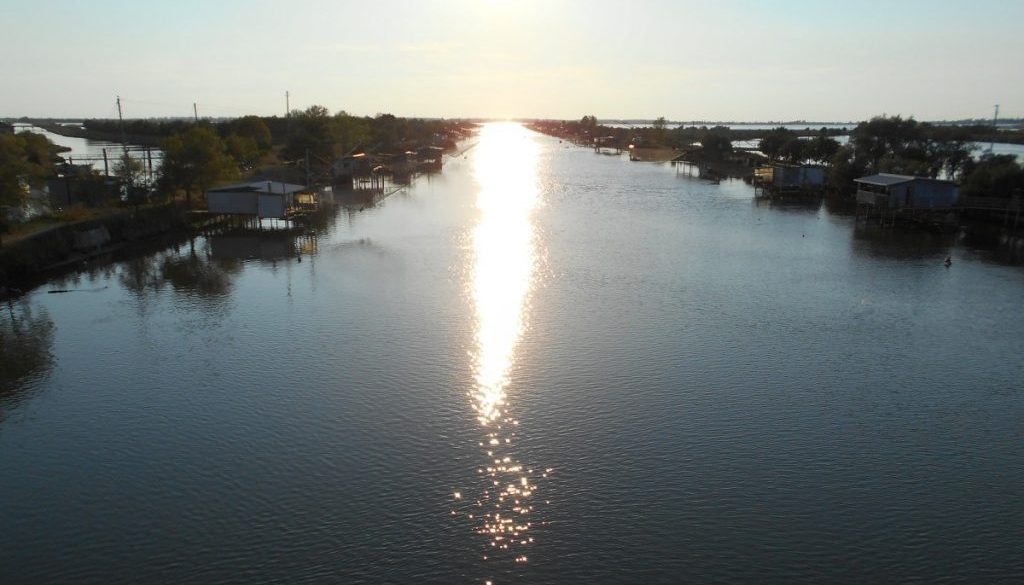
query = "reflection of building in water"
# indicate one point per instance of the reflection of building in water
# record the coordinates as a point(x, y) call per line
point(306, 244)
point(242, 246)
point(263, 245)
point(875, 242)
point(195, 274)
point(279, 240)
point(360, 199)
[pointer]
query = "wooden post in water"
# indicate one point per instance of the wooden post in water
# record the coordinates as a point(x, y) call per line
point(106, 165)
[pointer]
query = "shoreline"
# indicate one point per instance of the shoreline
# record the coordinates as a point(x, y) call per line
point(31, 260)
point(99, 136)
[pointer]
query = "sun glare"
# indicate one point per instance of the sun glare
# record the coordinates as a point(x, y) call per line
point(503, 256)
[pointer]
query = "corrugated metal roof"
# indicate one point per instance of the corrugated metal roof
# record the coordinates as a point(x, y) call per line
point(885, 179)
point(274, 187)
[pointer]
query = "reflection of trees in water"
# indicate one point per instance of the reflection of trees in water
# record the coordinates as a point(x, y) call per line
point(196, 265)
point(26, 338)
point(323, 220)
point(141, 274)
point(200, 275)
point(803, 205)
point(901, 244)
point(89, 274)
point(840, 207)
point(1001, 245)
point(184, 268)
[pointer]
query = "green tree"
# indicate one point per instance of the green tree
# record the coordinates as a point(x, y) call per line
point(822, 147)
point(660, 130)
point(794, 150)
point(243, 149)
point(715, 144)
point(350, 131)
point(13, 168)
point(38, 153)
point(994, 175)
point(310, 133)
point(25, 159)
point(950, 157)
point(885, 136)
point(844, 168)
point(195, 158)
point(771, 145)
point(387, 134)
point(132, 174)
point(252, 127)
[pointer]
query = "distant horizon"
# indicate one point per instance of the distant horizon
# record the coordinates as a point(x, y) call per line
point(634, 120)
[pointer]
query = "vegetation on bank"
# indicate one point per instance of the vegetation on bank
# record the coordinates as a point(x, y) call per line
point(200, 154)
point(22, 259)
point(715, 138)
point(314, 128)
point(196, 156)
point(25, 158)
point(884, 144)
point(907, 147)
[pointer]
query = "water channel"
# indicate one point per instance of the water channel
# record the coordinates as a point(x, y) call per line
point(541, 365)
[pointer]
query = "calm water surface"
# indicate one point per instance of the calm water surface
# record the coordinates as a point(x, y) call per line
point(541, 366)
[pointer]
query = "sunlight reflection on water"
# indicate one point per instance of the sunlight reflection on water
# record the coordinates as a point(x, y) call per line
point(504, 268)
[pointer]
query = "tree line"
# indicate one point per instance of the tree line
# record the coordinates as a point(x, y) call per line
point(25, 158)
point(892, 144)
point(709, 143)
point(201, 154)
point(198, 155)
point(883, 144)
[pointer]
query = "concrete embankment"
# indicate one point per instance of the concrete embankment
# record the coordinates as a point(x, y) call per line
point(34, 256)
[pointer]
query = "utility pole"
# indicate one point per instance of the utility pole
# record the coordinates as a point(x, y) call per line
point(124, 144)
point(995, 130)
point(124, 140)
point(287, 115)
point(195, 112)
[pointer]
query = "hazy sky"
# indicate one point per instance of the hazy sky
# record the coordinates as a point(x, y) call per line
point(721, 60)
